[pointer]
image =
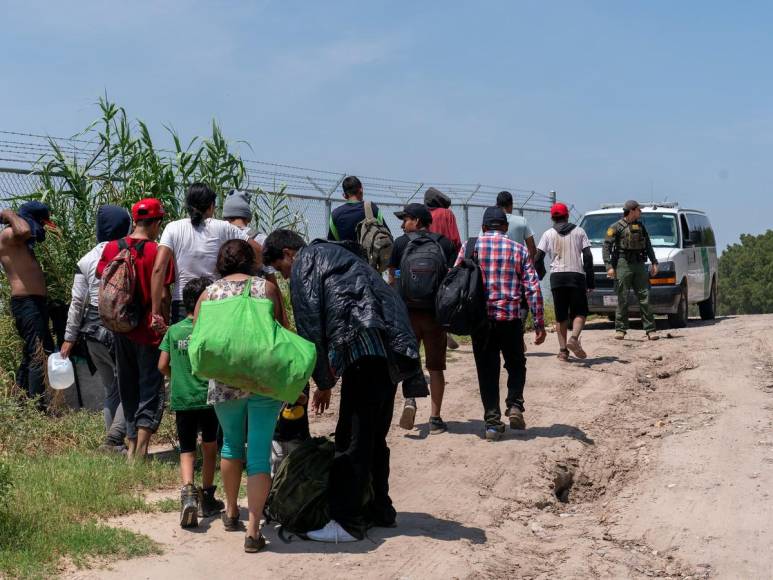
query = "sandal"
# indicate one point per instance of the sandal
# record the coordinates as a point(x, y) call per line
point(563, 355)
point(574, 345)
point(253, 545)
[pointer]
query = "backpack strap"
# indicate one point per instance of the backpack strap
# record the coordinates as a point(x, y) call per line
point(469, 249)
point(123, 244)
point(368, 210)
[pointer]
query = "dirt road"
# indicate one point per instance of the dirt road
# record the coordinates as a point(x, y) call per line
point(647, 460)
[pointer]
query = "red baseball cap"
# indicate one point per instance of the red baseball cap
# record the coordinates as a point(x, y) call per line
point(147, 208)
point(559, 210)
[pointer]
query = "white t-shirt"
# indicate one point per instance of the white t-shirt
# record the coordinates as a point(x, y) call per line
point(565, 252)
point(195, 249)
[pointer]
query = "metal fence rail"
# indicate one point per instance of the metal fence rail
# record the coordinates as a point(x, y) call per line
point(312, 193)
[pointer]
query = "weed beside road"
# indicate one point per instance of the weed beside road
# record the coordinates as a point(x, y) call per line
point(55, 488)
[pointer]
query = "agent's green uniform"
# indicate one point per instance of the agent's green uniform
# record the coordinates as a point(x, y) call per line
point(626, 247)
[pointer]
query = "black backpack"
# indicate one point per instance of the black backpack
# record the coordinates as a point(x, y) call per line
point(422, 269)
point(298, 499)
point(460, 304)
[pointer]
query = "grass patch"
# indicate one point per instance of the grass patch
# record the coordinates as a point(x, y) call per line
point(55, 489)
point(167, 505)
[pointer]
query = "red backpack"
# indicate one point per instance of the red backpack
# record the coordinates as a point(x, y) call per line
point(118, 307)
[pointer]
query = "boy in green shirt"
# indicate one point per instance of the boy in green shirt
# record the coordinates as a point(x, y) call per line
point(189, 401)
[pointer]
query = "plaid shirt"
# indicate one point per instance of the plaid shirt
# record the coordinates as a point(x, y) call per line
point(506, 269)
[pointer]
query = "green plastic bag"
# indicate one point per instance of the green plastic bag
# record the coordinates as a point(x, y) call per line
point(237, 341)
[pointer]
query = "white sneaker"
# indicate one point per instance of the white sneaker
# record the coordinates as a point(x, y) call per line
point(332, 533)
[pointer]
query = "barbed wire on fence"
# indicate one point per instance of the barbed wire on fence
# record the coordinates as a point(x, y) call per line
point(313, 192)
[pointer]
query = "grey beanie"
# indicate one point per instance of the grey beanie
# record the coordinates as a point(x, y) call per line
point(237, 205)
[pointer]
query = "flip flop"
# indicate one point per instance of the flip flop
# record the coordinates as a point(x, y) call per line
point(574, 345)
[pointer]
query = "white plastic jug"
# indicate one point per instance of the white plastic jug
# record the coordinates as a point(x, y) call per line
point(60, 372)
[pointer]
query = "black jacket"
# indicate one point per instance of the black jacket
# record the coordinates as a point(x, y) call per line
point(335, 294)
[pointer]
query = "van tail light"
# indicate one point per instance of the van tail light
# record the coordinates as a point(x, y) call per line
point(671, 280)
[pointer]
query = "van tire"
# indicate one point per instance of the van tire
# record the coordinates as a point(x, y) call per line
point(679, 318)
point(708, 308)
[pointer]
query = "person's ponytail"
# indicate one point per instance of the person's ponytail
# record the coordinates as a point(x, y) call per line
point(198, 200)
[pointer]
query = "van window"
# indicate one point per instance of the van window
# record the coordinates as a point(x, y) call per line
point(696, 223)
point(708, 233)
point(685, 229)
point(662, 228)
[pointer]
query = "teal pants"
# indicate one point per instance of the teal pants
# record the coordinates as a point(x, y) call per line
point(252, 421)
point(633, 275)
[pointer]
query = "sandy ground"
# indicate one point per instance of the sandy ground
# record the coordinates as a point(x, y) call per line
point(647, 460)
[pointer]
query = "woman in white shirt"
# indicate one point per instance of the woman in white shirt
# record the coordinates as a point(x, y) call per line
point(193, 243)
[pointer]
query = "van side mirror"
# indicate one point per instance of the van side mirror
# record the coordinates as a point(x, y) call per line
point(691, 240)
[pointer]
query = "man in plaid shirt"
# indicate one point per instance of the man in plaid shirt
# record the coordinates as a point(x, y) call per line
point(507, 271)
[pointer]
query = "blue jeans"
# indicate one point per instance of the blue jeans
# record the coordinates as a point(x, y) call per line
point(140, 383)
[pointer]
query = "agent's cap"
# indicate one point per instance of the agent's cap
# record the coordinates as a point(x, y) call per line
point(631, 205)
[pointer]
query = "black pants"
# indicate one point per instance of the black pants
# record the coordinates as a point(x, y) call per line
point(140, 383)
point(31, 316)
point(505, 338)
point(192, 422)
point(362, 455)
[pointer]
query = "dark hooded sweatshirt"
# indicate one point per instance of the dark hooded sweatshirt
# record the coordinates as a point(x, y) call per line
point(443, 219)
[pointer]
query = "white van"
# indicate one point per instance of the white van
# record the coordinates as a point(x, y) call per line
point(684, 244)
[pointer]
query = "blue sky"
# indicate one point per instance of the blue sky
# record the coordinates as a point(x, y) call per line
point(601, 101)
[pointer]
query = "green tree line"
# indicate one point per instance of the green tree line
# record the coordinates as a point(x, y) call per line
point(746, 276)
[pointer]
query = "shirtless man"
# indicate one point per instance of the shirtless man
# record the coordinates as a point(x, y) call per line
point(28, 290)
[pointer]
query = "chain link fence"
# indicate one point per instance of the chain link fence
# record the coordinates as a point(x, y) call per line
point(312, 194)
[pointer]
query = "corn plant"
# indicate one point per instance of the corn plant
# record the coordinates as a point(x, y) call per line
point(272, 210)
point(125, 167)
point(218, 167)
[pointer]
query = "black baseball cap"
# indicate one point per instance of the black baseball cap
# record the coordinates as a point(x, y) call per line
point(417, 211)
point(631, 205)
point(494, 216)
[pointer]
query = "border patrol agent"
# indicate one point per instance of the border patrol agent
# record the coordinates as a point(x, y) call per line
point(626, 248)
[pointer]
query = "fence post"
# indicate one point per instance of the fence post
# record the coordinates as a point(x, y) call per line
point(467, 211)
point(328, 211)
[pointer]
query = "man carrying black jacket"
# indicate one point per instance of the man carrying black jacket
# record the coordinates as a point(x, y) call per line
point(363, 335)
point(571, 277)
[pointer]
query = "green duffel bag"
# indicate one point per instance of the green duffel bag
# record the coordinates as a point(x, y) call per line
point(237, 341)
